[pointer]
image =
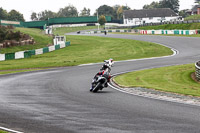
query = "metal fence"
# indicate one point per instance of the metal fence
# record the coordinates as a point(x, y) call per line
point(174, 22)
point(155, 24)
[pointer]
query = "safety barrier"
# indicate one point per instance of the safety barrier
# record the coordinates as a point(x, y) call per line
point(197, 71)
point(108, 31)
point(29, 53)
point(172, 32)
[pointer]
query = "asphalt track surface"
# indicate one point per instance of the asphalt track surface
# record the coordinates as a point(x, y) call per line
point(59, 101)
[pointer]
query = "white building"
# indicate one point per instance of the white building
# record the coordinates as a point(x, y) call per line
point(139, 17)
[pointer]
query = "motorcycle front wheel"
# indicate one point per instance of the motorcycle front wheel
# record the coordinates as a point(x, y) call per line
point(97, 87)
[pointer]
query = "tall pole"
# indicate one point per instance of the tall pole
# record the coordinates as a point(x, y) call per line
point(97, 19)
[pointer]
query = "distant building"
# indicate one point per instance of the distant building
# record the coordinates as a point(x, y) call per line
point(195, 10)
point(138, 17)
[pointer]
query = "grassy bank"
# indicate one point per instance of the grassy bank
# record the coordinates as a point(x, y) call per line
point(40, 39)
point(63, 30)
point(88, 49)
point(18, 71)
point(176, 79)
point(192, 26)
point(192, 17)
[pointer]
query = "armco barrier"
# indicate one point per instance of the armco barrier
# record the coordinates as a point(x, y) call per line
point(197, 71)
point(46, 50)
point(62, 45)
point(51, 48)
point(32, 52)
point(103, 31)
point(172, 32)
point(57, 47)
point(67, 43)
point(29, 53)
point(9, 56)
point(39, 51)
point(2, 57)
point(19, 55)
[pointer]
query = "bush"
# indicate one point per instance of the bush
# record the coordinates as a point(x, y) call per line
point(10, 38)
point(3, 31)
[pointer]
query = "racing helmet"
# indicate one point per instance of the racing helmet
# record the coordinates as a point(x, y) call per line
point(111, 60)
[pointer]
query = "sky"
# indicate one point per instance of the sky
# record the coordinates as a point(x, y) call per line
point(26, 7)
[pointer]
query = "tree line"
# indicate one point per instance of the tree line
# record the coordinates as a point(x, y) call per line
point(12, 15)
point(116, 12)
point(70, 11)
point(172, 4)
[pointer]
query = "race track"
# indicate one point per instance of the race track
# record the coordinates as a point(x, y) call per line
point(59, 101)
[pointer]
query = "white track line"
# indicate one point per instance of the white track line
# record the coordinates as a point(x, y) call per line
point(9, 130)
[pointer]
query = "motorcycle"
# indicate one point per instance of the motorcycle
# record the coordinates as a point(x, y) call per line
point(100, 81)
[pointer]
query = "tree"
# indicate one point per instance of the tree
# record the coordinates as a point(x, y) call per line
point(115, 8)
point(126, 7)
point(15, 16)
point(172, 4)
point(44, 15)
point(152, 5)
point(197, 1)
point(85, 12)
point(102, 20)
point(184, 13)
point(118, 11)
point(3, 13)
point(34, 16)
point(105, 10)
point(68, 11)
point(121, 10)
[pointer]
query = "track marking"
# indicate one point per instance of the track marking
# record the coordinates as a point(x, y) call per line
point(9, 130)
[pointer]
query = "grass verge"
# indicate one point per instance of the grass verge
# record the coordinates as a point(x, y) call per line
point(1, 131)
point(18, 71)
point(63, 30)
point(176, 79)
point(41, 40)
point(88, 49)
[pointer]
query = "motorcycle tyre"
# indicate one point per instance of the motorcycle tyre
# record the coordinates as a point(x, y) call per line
point(96, 88)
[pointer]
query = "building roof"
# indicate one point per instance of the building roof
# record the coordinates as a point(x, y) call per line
point(146, 13)
point(194, 8)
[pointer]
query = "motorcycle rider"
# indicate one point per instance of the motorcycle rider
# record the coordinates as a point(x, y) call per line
point(107, 65)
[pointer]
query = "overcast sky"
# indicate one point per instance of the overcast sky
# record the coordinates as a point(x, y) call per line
point(26, 7)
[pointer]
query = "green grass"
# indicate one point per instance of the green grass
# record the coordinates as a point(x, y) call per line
point(176, 79)
point(192, 17)
point(1, 131)
point(88, 49)
point(17, 71)
point(192, 26)
point(63, 30)
point(40, 39)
